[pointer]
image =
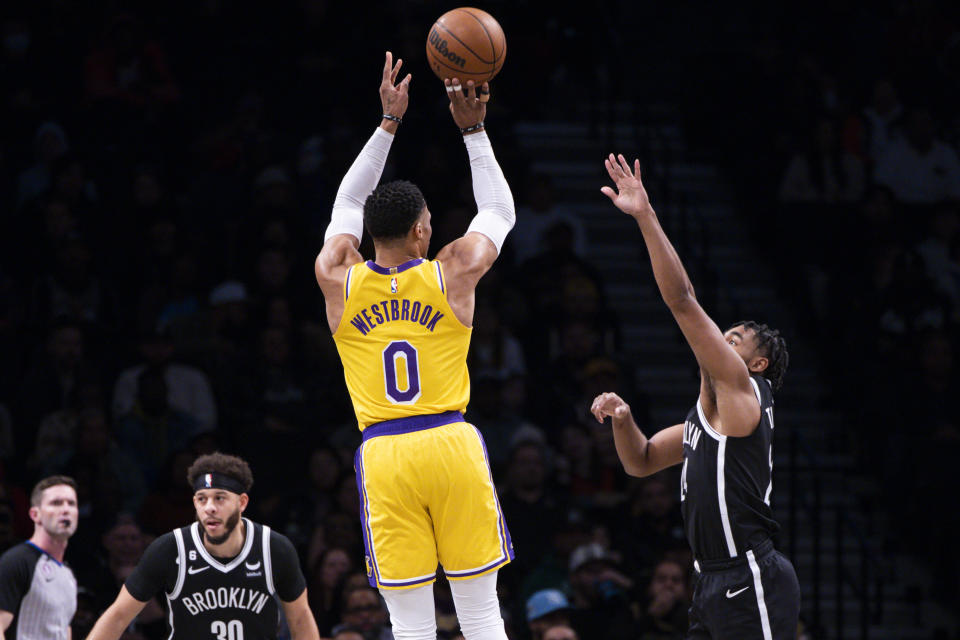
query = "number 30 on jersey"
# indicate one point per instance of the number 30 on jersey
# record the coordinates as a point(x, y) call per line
point(232, 630)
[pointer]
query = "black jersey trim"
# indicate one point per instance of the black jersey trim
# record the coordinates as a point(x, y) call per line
point(223, 568)
point(181, 564)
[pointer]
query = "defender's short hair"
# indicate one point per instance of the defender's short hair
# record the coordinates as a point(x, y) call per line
point(392, 209)
point(216, 462)
point(36, 496)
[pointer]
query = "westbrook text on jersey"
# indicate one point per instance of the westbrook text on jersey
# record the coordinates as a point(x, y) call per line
point(393, 311)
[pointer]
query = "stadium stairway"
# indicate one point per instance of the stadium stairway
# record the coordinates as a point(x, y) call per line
point(833, 541)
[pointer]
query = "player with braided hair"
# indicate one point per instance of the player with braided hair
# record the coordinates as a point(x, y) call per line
point(771, 344)
point(745, 588)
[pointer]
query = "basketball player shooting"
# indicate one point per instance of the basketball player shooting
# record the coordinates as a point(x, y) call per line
point(402, 326)
point(745, 589)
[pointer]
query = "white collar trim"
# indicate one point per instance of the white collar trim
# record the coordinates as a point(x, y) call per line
point(224, 568)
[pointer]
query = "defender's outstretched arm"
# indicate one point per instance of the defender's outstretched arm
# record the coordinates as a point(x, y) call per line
point(739, 411)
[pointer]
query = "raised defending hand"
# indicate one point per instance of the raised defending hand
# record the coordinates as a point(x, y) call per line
point(630, 196)
point(609, 404)
point(468, 104)
point(394, 96)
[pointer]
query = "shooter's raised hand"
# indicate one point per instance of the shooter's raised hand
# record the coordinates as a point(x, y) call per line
point(393, 96)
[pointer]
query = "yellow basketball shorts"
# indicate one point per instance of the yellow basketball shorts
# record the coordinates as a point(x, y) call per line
point(427, 497)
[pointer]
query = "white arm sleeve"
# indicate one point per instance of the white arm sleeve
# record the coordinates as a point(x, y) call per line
point(495, 210)
point(358, 183)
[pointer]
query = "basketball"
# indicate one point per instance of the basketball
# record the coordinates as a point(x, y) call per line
point(468, 44)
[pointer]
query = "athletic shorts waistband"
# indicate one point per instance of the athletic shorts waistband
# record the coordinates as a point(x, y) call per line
point(760, 551)
point(411, 424)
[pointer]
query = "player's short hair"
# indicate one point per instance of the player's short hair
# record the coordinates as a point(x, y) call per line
point(771, 346)
point(392, 209)
point(36, 496)
point(216, 462)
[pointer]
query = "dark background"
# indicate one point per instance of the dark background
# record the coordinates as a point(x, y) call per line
point(167, 171)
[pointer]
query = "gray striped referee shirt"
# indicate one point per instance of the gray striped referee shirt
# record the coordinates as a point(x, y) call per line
point(39, 591)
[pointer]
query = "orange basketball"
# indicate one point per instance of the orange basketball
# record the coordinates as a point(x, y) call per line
point(468, 44)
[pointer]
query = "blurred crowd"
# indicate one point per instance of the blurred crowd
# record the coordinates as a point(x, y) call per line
point(166, 175)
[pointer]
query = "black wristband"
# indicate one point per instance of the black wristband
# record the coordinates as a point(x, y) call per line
point(396, 119)
point(476, 127)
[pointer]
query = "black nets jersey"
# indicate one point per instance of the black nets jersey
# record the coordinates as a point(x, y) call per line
point(726, 483)
point(216, 598)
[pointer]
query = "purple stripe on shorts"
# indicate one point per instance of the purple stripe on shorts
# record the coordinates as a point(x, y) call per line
point(410, 583)
point(386, 271)
point(503, 532)
point(374, 575)
point(467, 574)
point(411, 424)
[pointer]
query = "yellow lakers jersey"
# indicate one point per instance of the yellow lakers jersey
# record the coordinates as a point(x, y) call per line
point(404, 352)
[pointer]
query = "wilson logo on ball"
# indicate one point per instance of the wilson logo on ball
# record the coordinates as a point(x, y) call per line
point(441, 46)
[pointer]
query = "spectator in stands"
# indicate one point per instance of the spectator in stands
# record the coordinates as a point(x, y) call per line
point(121, 546)
point(494, 350)
point(364, 611)
point(303, 509)
point(824, 173)
point(654, 526)
point(171, 500)
point(72, 289)
point(529, 506)
point(601, 607)
point(937, 248)
point(188, 388)
point(543, 224)
point(116, 483)
point(545, 609)
point(560, 632)
point(919, 167)
point(49, 144)
point(54, 378)
point(129, 71)
point(152, 430)
point(664, 617)
point(324, 587)
point(882, 118)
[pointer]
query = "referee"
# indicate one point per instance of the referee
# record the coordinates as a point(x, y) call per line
point(38, 593)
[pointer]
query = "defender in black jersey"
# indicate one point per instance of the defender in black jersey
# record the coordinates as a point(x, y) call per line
point(224, 575)
point(745, 589)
